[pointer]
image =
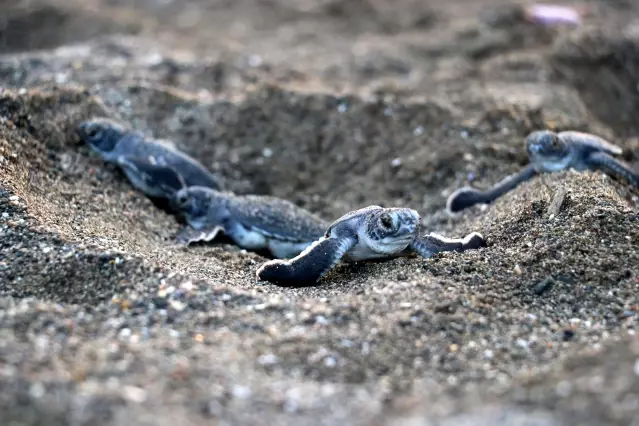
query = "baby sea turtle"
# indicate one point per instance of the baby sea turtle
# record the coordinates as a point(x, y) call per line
point(551, 152)
point(153, 180)
point(373, 232)
point(136, 156)
point(253, 222)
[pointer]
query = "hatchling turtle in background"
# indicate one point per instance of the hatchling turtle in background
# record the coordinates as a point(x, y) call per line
point(136, 155)
point(253, 222)
point(373, 232)
point(154, 181)
point(551, 152)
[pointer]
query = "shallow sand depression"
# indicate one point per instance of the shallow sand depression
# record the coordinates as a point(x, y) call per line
point(333, 106)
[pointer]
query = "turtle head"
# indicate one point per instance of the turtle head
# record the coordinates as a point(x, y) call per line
point(547, 151)
point(102, 134)
point(390, 230)
point(194, 203)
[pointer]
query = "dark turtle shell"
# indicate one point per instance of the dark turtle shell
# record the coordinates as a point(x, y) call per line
point(276, 218)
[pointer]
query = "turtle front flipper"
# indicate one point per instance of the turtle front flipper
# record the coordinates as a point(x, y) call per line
point(466, 197)
point(591, 140)
point(309, 266)
point(189, 235)
point(428, 245)
point(612, 166)
point(193, 172)
point(152, 179)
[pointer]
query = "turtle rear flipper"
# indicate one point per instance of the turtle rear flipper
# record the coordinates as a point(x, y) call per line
point(467, 197)
point(464, 198)
point(188, 235)
point(609, 165)
point(309, 266)
point(428, 245)
point(154, 180)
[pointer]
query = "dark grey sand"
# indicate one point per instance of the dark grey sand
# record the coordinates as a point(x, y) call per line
point(333, 105)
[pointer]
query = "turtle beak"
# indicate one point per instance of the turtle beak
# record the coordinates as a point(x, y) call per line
point(175, 203)
point(81, 129)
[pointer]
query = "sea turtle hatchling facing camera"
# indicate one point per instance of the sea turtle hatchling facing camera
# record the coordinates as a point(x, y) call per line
point(137, 156)
point(551, 152)
point(373, 232)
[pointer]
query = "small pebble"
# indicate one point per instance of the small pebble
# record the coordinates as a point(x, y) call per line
point(330, 362)
point(268, 359)
point(321, 320)
point(160, 302)
point(214, 409)
point(37, 390)
point(134, 394)
point(241, 392)
point(255, 61)
point(187, 286)
point(568, 334)
point(563, 389)
point(543, 286)
point(177, 305)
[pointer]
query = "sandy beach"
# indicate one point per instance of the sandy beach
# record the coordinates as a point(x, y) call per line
point(333, 105)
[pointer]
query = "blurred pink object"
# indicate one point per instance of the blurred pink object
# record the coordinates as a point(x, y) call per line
point(548, 14)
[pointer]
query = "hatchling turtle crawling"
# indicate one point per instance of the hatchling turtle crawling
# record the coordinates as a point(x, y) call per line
point(373, 232)
point(137, 156)
point(253, 222)
point(551, 152)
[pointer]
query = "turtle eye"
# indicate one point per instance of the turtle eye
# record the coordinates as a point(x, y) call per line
point(93, 131)
point(386, 221)
point(182, 199)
